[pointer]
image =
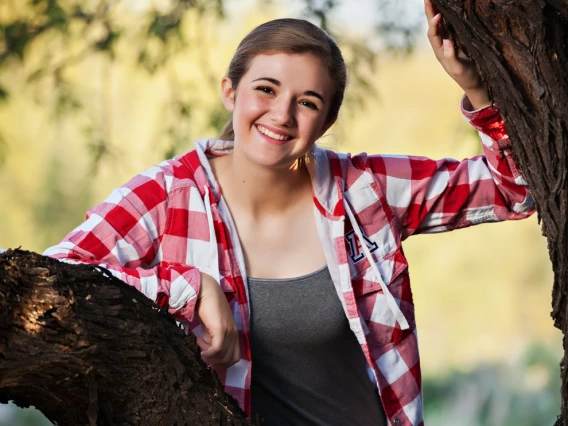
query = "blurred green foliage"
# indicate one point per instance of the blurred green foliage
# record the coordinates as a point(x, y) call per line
point(43, 44)
point(74, 30)
point(523, 393)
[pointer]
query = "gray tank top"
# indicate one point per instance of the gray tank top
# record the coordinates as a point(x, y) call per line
point(307, 366)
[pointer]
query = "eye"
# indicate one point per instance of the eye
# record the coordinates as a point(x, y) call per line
point(265, 89)
point(310, 105)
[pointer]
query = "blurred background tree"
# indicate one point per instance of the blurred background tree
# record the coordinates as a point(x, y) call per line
point(94, 91)
point(44, 44)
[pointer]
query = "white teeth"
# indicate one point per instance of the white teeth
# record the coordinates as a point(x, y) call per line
point(271, 134)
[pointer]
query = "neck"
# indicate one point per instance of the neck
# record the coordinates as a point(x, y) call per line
point(259, 190)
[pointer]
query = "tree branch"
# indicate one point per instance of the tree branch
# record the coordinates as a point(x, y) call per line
point(85, 348)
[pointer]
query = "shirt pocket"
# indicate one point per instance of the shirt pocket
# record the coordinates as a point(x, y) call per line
point(381, 324)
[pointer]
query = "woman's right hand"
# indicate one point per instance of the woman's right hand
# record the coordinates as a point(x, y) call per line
point(221, 346)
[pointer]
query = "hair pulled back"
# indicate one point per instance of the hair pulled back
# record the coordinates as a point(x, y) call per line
point(289, 36)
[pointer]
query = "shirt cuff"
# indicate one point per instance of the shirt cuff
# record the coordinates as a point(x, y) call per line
point(184, 292)
point(487, 120)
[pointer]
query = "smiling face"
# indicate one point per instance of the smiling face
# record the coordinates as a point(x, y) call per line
point(280, 107)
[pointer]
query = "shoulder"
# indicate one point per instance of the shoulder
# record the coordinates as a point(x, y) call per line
point(152, 187)
point(169, 175)
point(347, 164)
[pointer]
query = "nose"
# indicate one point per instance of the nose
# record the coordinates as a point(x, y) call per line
point(283, 111)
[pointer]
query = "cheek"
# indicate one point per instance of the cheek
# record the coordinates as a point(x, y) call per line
point(249, 106)
point(314, 126)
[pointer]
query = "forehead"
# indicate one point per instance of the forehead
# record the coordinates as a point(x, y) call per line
point(302, 71)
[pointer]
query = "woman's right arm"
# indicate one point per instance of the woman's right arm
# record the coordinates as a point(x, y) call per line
point(123, 234)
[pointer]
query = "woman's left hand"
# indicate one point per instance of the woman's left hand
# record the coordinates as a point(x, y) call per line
point(456, 63)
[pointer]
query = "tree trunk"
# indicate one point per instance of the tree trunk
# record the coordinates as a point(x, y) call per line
point(87, 349)
point(521, 51)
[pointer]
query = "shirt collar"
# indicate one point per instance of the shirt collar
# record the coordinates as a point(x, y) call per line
point(325, 186)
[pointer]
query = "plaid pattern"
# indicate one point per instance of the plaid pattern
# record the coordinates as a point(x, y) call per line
point(166, 225)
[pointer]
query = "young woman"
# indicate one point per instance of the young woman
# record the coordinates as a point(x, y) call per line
point(285, 259)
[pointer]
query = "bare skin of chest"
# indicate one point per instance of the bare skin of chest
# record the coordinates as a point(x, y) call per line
point(278, 233)
point(280, 247)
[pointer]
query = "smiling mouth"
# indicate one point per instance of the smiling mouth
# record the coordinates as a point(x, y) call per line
point(271, 134)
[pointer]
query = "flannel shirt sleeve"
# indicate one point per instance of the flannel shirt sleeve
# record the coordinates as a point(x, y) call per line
point(123, 235)
point(430, 196)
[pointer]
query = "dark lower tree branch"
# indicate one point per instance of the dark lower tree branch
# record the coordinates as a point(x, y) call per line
point(87, 349)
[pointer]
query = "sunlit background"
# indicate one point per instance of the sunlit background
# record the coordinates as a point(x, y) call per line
point(77, 122)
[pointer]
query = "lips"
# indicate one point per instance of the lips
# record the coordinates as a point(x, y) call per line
point(275, 135)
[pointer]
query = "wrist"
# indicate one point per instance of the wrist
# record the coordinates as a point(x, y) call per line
point(478, 98)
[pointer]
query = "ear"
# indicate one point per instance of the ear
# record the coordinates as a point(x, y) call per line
point(326, 126)
point(228, 94)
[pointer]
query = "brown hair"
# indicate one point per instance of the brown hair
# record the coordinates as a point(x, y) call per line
point(289, 36)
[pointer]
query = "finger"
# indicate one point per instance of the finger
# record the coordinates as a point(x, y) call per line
point(227, 360)
point(217, 348)
point(449, 50)
point(454, 66)
point(211, 356)
point(434, 34)
point(234, 351)
point(224, 351)
point(232, 357)
point(203, 344)
point(218, 360)
point(462, 56)
point(237, 350)
point(430, 9)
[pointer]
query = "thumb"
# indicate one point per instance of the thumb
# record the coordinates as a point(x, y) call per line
point(203, 344)
point(213, 347)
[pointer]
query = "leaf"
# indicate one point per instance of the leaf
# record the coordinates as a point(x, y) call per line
point(57, 17)
point(3, 150)
point(99, 149)
point(170, 152)
point(108, 42)
point(66, 101)
point(18, 34)
point(36, 74)
point(218, 118)
point(163, 25)
point(184, 110)
point(158, 28)
point(4, 95)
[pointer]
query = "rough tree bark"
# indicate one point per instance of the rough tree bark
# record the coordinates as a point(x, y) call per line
point(87, 349)
point(521, 50)
point(50, 355)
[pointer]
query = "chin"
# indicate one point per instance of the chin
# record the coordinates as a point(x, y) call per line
point(261, 153)
point(271, 161)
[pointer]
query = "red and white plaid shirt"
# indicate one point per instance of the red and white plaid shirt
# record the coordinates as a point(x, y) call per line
point(167, 224)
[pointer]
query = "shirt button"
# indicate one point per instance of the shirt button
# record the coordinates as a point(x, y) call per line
point(396, 421)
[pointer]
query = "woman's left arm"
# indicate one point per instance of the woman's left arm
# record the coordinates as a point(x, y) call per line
point(440, 195)
point(428, 196)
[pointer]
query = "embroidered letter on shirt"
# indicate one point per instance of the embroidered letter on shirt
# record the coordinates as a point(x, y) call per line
point(357, 253)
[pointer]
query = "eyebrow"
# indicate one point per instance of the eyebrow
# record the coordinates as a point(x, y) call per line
point(277, 83)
